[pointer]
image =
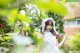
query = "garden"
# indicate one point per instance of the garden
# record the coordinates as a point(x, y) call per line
point(25, 16)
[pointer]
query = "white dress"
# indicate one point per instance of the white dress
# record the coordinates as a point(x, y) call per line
point(22, 44)
point(50, 42)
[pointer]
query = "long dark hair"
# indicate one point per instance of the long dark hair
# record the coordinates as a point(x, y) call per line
point(52, 30)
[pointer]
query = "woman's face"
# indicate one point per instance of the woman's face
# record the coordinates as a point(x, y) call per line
point(49, 27)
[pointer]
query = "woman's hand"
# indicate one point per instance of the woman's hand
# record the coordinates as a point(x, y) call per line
point(64, 37)
point(63, 40)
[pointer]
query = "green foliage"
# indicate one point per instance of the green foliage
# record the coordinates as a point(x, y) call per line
point(16, 16)
point(75, 42)
point(5, 3)
point(58, 21)
point(52, 6)
point(5, 41)
point(3, 12)
point(5, 26)
point(65, 49)
point(38, 37)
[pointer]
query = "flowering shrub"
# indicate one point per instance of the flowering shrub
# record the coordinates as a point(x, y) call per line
point(1, 25)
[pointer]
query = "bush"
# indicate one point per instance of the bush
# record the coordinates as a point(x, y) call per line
point(75, 42)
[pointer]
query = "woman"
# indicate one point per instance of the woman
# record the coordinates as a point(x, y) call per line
point(50, 37)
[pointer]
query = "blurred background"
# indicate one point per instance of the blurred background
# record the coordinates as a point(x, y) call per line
point(16, 15)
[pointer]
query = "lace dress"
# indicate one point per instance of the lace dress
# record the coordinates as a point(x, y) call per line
point(50, 42)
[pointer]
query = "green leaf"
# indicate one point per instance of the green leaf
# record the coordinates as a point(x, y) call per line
point(7, 38)
point(4, 12)
point(12, 17)
point(53, 7)
point(5, 3)
point(24, 18)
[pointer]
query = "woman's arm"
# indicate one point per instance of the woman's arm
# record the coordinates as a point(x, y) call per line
point(60, 44)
